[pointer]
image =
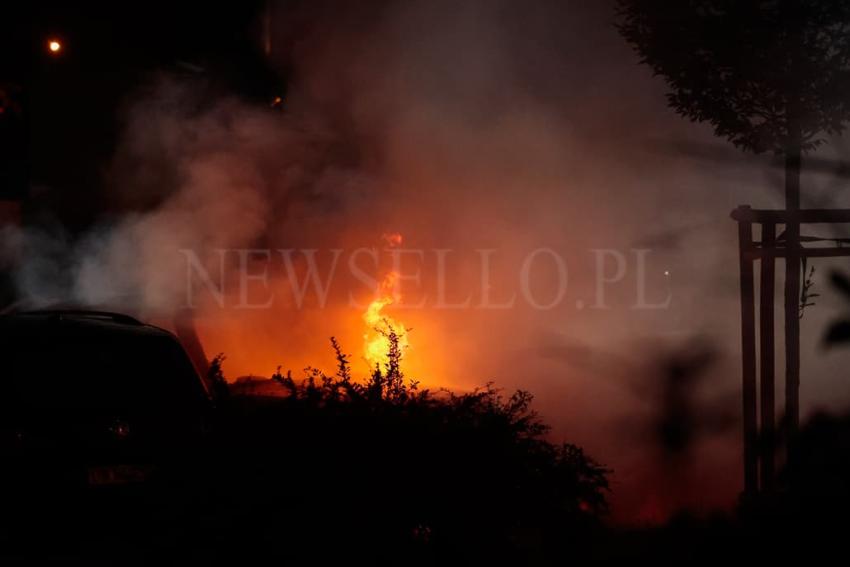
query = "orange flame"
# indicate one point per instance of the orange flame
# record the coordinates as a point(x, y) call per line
point(376, 343)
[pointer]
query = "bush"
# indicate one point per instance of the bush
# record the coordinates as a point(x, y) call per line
point(384, 469)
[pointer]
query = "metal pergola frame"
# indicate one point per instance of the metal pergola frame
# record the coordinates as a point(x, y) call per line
point(760, 438)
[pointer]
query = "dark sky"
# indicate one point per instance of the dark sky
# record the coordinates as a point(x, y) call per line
point(72, 100)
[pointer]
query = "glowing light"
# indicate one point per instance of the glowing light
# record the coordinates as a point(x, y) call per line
point(54, 46)
point(392, 239)
point(666, 272)
point(378, 325)
point(376, 343)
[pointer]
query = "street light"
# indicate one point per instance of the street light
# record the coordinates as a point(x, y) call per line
point(54, 46)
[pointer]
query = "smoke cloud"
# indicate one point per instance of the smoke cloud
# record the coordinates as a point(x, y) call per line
point(484, 125)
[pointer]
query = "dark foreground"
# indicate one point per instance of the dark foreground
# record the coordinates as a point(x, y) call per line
point(113, 454)
point(310, 481)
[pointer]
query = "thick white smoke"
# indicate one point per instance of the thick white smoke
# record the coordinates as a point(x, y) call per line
point(189, 175)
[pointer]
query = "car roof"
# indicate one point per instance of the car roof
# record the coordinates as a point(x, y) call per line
point(77, 320)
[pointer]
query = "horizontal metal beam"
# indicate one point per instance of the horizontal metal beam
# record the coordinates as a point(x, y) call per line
point(803, 216)
point(830, 252)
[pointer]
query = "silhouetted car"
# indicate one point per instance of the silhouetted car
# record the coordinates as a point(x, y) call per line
point(93, 403)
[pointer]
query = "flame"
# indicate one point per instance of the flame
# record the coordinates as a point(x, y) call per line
point(376, 343)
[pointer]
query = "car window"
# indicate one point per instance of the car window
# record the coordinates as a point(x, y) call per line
point(98, 371)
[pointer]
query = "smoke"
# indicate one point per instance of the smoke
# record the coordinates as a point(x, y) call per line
point(483, 125)
point(189, 175)
point(39, 260)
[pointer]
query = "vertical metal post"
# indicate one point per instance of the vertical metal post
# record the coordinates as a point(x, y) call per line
point(748, 356)
point(767, 353)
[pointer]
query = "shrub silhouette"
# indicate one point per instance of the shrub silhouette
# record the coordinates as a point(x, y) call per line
point(382, 469)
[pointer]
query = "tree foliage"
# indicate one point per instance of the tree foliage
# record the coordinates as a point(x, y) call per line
point(764, 74)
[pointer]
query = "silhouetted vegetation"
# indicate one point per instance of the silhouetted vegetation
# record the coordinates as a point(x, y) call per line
point(768, 76)
point(386, 468)
point(838, 332)
point(383, 471)
point(215, 378)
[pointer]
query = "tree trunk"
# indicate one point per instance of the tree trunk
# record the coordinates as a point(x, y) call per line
point(792, 293)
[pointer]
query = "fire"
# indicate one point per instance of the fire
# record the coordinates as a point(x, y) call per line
point(378, 324)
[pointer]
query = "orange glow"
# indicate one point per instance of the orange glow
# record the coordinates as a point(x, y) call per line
point(257, 341)
point(392, 239)
point(378, 325)
point(54, 46)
